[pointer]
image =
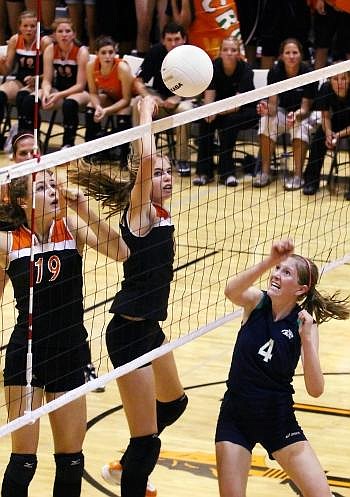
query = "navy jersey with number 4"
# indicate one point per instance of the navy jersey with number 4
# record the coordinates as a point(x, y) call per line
point(266, 354)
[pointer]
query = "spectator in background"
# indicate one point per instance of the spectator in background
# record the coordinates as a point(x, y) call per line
point(173, 36)
point(15, 7)
point(289, 111)
point(279, 20)
point(331, 29)
point(20, 57)
point(82, 13)
point(110, 84)
point(231, 77)
point(207, 25)
point(64, 80)
point(334, 102)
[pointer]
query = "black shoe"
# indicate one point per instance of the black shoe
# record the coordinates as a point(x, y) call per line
point(347, 195)
point(310, 189)
point(183, 168)
point(202, 180)
point(90, 374)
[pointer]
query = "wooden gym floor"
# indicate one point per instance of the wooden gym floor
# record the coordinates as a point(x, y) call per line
point(187, 464)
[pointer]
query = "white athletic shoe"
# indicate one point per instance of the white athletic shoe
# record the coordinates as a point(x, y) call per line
point(112, 474)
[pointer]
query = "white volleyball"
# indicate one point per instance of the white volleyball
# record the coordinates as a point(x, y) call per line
point(187, 70)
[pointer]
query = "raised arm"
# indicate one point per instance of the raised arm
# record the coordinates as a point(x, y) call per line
point(239, 289)
point(90, 229)
point(141, 211)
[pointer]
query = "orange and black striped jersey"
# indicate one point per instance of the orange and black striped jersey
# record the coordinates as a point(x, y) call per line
point(25, 59)
point(66, 68)
point(57, 289)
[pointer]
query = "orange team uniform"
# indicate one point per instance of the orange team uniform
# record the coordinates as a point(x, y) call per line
point(214, 21)
point(343, 5)
point(109, 84)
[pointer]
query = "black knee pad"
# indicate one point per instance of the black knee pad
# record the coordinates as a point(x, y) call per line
point(92, 129)
point(3, 104)
point(69, 467)
point(141, 456)
point(26, 121)
point(70, 109)
point(169, 412)
point(138, 463)
point(21, 95)
point(21, 469)
point(122, 123)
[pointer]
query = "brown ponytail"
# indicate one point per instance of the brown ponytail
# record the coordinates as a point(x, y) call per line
point(322, 307)
point(113, 193)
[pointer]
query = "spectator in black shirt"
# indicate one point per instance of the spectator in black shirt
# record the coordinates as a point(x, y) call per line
point(334, 102)
point(231, 77)
point(167, 103)
point(288, 112)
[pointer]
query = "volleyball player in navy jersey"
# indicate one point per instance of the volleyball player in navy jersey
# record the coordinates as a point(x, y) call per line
point(60, 349)
point(277, 329)
point(152, 395)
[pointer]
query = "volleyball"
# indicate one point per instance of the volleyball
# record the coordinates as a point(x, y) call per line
point(187, 70)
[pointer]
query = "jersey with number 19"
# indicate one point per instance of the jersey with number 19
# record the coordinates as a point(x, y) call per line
point(57, 291)
point(266, 354)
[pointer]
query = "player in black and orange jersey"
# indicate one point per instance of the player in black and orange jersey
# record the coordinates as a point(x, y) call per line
point(152, 395)
point(59, 346)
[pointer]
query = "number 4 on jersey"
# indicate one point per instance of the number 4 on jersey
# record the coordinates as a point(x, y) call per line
point(266, 350)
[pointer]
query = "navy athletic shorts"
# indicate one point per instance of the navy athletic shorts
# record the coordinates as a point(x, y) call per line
point(273, 425)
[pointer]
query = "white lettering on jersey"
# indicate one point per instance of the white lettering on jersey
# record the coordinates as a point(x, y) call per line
point(288, 333)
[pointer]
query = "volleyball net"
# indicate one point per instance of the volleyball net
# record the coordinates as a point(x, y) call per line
point(220, 231)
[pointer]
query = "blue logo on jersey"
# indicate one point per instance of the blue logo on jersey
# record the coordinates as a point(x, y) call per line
point(288, 333)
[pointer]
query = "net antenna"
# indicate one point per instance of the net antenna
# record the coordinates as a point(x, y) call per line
point(36, 154)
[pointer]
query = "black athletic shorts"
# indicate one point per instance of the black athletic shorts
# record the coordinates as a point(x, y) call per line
point(127, 339)
point(332, 27)
point(56, 370)
point(274, 426)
